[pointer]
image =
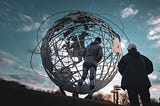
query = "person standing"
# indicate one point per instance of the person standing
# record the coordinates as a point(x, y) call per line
point(92, 55)
point(134, 68)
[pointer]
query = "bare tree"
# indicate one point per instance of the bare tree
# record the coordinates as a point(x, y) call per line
point(99, 97)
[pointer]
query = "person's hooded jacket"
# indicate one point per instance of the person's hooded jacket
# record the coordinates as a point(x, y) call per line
point(134, 69)
point(93, 53)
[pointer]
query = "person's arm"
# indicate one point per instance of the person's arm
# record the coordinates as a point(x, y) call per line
point(100, 54)
point(121, 66)
point(148, 64)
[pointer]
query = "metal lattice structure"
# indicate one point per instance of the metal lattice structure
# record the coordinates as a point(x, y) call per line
point(63, 45)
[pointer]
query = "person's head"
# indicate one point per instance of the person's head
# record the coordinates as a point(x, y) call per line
point(98, 39)
point(131, 47)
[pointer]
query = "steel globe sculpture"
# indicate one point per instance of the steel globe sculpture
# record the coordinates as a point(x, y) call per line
point(62, 47)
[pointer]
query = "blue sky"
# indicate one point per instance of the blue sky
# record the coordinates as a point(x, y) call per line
point(20, 20)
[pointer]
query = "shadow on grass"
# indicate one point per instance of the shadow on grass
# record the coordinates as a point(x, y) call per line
point(12, 93)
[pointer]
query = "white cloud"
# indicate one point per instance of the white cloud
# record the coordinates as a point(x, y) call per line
point(28, 28)
point(25, 18)
point(157, 44)
point(7, 61)
point(154, 31)
point(39, 73)
point(21, 68)
point(129, 11)
point(45, 16)
point(28, 24)
point(8, 56)
point(153, 37)
point(156, 87)
point(123, 44)
point(154, 21)
point(152, 77)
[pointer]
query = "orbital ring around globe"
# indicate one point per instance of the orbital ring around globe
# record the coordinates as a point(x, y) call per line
point(62, 47)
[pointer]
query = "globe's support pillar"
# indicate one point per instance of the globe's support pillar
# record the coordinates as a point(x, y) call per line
point(75, 94)
point(62, 91)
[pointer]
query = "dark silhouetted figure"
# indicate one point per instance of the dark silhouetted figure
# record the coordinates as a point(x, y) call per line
point(134, 68)
point(92, 55)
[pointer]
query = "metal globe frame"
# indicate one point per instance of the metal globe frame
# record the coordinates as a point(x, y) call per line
point(62, 47)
